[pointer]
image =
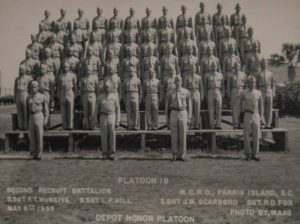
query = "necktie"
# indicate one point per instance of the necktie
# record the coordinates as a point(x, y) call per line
point(178, 98)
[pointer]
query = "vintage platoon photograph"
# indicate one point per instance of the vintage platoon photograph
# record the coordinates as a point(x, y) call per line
point(149, 111)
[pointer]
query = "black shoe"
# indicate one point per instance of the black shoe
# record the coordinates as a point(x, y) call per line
point(247, 158)
point(255, 158)
point(219, 128)
point(181, 159)
point(104, 157)
point(173, 159)
point(111, 158)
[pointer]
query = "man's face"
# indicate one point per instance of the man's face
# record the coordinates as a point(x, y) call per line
point(238, 9)
point(213, 67)
point(254, 48)
point(148, 12)
point(236, 68)
point(44, 70)
point(250, 32)
point(62, 13)
point(202, 7)
point(116, 12)
point(131, 72)
point(219, 8)
point(263, 65)
point(48, 53)
point(33, 38)
point(131, 11)
point(22, 70)
point(151, 74)
point(190, 50)
point(34, 87)
point(99, 11)
point(80, 12)
point(47, 14)
point(230, 50)
point(66, 67)
point(28, 54)
point(165, 11)
point(183, 9)
point(244, 19)
point(251, 84)
point(178, 83)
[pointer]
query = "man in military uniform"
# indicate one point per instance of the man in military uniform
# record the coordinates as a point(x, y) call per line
point(21, 88)
point(43, 37)
point(206, 44)
point(242, 34)
point(88, 87)
point(35, 47)
point(83, 23)
point(57, 51)
point(225, 43)
point(235, 22)
point(112, 58)
point(146, 45)
point(113, 46)
point(63, 28)
point(184, 24)
point(133, 96)
point(184, 44)
point(165, 21)
point(97, 47)
point(151, 89)
point(167, 84)
point(149, 62)
point(38, 110)
point(193, 83)
point(93, 64)
point(187, 60)
point(118, 22)
point(216, 19)
point(220, 33)
point(214, 91)
point(99, 26)
point(74, 62)
point(200, 15)
point(46, 24)
point(67, 90)
point(50, 62)
point(266, 85)
point(46, 87)
point(131, 22)
point(130, 46)
point(167, 44)
point(235, 85)
point(148, 32)
point(108, 106)
point(168, 63)
point(130, 61)
point(253, 114)
point(205, 63)
point(113, 81)
point(204, 32)
point(32, 65)
point(228, 63)
point(178, 111)
point(247, 44)
point(253, 61)
point(148, 21)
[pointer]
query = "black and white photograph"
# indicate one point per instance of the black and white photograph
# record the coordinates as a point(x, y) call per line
point(149, 112)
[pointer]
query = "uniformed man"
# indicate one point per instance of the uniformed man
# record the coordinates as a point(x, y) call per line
point(165, 21)
point(32, 65)
point(67, 90)
point(225, 43)
point(178, 111)
point(50, 62)
point(151, 90)
point(205, 45)
point(113, 47)
point(74, 61)
point(266, 85)
point(242, 33)
point(167, 84)
point(100, 24)
point(205, 63)
point(130, 61)
point(43, 37)
point(149, 62)
point(57, 50)
point(168, 63)
point(130, 45)
point(83, 23)
point(148, 21)
point(93, 63)
point(35, 47)
point(247, 44)
point(62, 24)
point(113, 81)
point(220, 33)
point(216, 19)
point(97, 47)
point(235, 22)
point(193, 83)
point(166, 35)
point(228, 63)
point(37, 107)
point(113, 58)
point(200, 15)
point(21, 88)
point(167, 44)
point(236, 83)
point(133, 97)
point(184, 24)
point(253, 113)
point(214, 91)
point(205, 29)
point(146, 45)
point(108, 106)
point(187, 60)
point(46, 24)
point(81, 36)
point(131, 22)
point(148, 32)
point(185, 43)
point(253, 61)
point(118, 22)
point(88, 87)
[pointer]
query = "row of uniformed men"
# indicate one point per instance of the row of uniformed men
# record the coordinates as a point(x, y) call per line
point(178, 116)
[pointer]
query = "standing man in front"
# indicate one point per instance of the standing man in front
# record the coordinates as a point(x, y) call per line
point(253, 112)
point(178, 114)
point(38, 117)
point(108, 106)
point(266, 84)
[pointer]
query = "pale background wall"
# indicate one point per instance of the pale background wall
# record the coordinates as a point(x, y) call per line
point(274, 21)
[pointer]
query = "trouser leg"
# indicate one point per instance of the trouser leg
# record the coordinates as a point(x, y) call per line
point(19, 112)
point(255, 136)
point(182, 124)
point(218, 108)
point(128, 110)
point(39, 132)
point(174, 132)
point(85, 110)
point(148, 111)
point(63, 111)
point(104, 134)
point(92, 105)
point(135, 110)
point(211, 109)
point(268, 109)
point(111, 134)
point(247, 134)
point(235, 109)
point(155, 112)
point(32, 136)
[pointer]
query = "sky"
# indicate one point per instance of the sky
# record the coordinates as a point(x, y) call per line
point(274, 21)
